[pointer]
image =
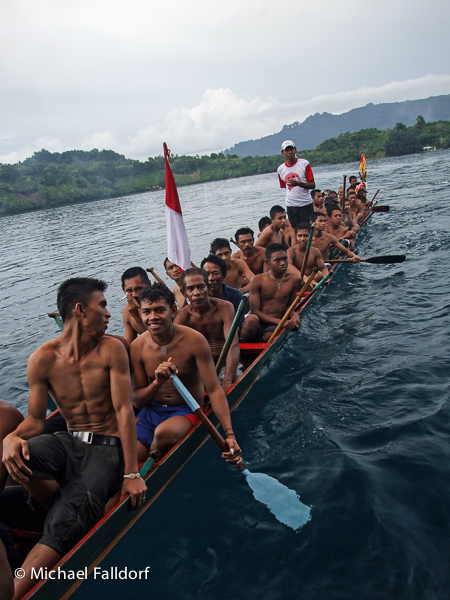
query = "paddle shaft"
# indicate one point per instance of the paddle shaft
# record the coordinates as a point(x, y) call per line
point(308, 247)
point(232, 332)
point(375, 260)
point(158, 279)
point(343, 196)
point(292, 307)
point(191, 402)
point(234, 242)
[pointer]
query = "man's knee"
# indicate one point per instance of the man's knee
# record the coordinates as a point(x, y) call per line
point(249, 328)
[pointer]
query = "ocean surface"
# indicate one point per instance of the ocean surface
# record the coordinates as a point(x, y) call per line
point(353, 414)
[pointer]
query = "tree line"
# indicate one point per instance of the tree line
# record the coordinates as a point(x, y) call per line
point(49, 179)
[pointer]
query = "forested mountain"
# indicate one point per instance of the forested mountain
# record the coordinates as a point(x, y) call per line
point(49, 179)
point(320, 127)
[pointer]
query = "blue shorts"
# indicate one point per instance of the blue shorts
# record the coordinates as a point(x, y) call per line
point(152, 415)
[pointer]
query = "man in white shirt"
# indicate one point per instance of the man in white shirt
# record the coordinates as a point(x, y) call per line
point(296, 175)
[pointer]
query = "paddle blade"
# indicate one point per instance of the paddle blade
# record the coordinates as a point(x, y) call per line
point(281, 501)
point(386, 260)
point(380, 208)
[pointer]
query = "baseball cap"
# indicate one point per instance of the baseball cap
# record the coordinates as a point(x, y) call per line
point(286, 144)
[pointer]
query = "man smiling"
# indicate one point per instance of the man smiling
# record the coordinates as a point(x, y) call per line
point(167, 348)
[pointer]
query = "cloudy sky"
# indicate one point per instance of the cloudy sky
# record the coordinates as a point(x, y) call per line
point(201, 75)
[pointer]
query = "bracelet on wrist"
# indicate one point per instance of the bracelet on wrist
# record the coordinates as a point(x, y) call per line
point(228, 435)
point(132, 476)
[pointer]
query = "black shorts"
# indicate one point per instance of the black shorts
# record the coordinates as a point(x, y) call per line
point(299, 214)
point(88, 475)
point(265, 328)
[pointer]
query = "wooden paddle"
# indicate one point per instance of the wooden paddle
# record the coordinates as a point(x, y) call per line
point(281, 501)
point(343, 196)
point(308, 246)
point(380, 208)
point(293, 306)
point(375, 260)
point(158, 279)
point(232, 332)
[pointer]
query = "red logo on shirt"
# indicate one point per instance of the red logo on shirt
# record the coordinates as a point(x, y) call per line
point(291, 176)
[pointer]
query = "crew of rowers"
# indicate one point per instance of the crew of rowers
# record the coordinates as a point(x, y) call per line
point(96, 379)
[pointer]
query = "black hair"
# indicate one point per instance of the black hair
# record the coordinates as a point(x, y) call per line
point(77, 289)
point(134, 272)
point(244, 231)
point(274, 248)
point(263, 222)
point(353, 177)
point(313, 216)
point(313, 192)
point(219, 243)
point(216, 260)
point(158, 291)
point(166, 260)
point(304, 225)
point(332, 207)
point(275, 210)
point(193, 271)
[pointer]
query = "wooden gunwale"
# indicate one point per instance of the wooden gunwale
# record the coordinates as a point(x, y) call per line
point(96, 544)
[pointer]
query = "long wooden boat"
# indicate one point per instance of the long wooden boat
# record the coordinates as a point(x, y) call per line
point(94, 546)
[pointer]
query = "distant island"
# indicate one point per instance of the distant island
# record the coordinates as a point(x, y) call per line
point(49, 179)
point(320, 127)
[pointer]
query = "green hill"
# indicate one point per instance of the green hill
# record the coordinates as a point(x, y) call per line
point(55, 179)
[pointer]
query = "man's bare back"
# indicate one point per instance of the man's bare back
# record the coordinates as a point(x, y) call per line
point(272, 235)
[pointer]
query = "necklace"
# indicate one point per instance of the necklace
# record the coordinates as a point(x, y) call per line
point(164, 346)
point(281, 280)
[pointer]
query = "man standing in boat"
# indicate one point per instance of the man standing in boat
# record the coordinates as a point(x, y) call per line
point(273, 292)
point(168, 348)
point(76, 472)
point(134, 280)
point(296, 175)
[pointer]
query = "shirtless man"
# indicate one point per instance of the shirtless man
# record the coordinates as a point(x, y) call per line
point(296, 254)
point(352, 181)
point(273, 292)
point(210, 317)
point(88, 376)
point(173, 271)
point(134, 280)
point(253, 255)
point(263, 223)
point(317, 205)
point(216, 270)
point(323, 240)
point(348, 218)
point(275, 233)
point(238, 273)
point(335, 225)
point(164, 349)
point(356, 209)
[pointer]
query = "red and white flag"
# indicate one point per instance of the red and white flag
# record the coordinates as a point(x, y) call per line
point(178, 250)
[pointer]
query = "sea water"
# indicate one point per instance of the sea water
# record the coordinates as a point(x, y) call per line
point(353, 414)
